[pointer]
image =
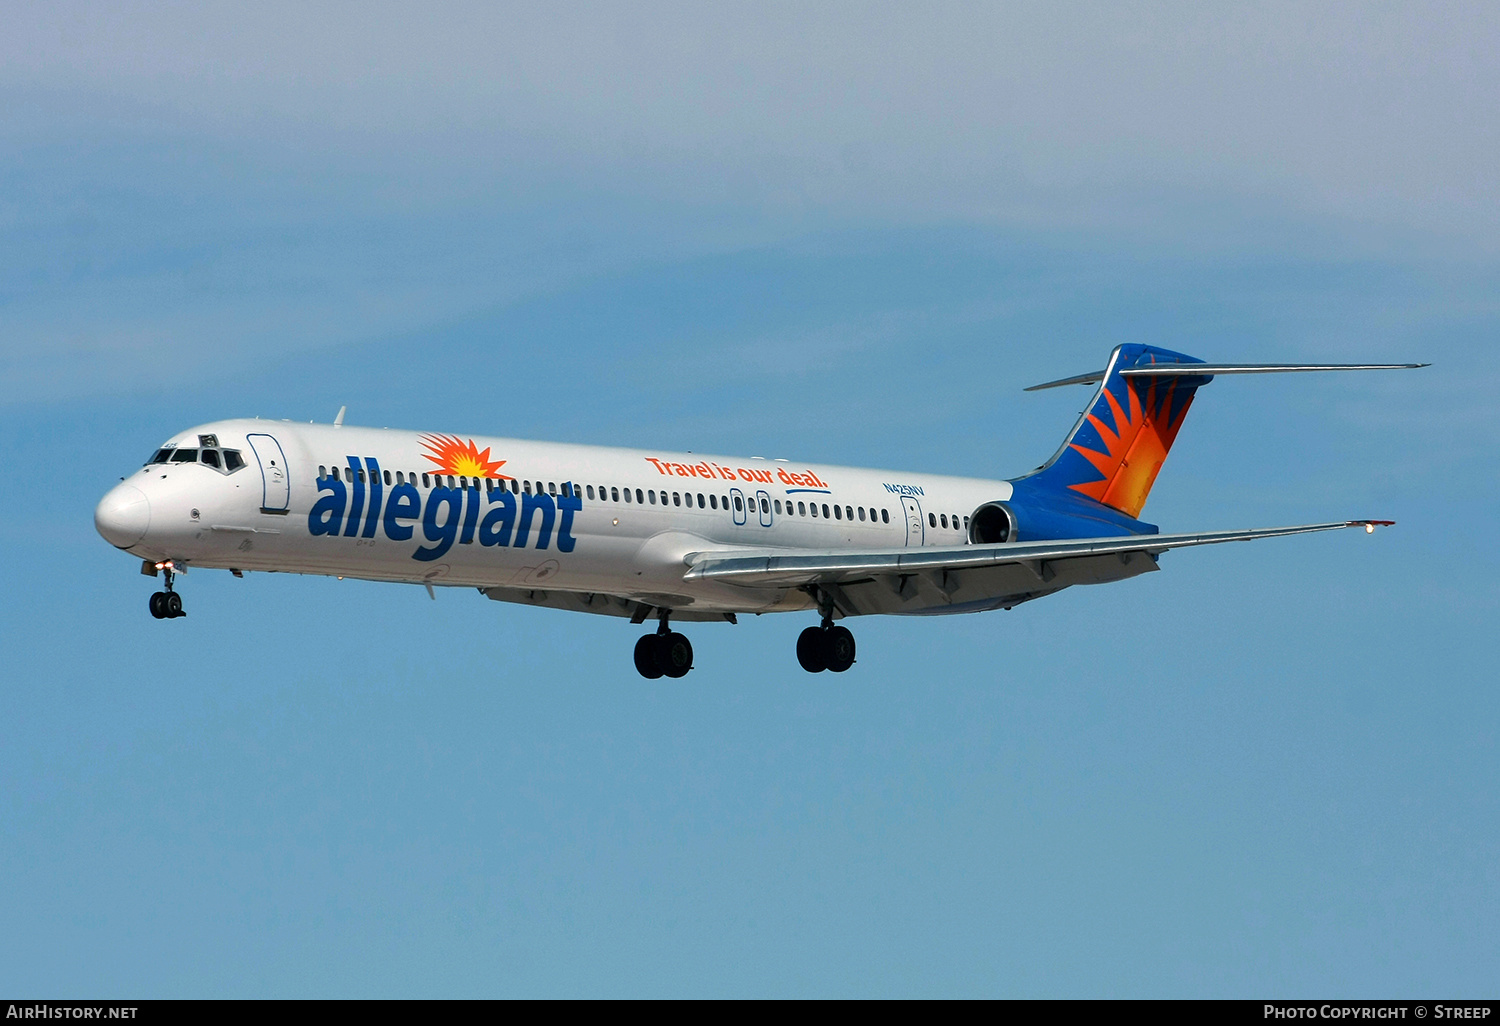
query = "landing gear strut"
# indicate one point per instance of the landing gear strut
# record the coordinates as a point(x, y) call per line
point(665, 653)
point(825, 647)
point(167, 605)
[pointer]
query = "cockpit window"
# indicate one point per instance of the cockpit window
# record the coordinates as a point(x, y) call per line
point(162, 455)
point(185, 456)
point(210, 457)
point(232, 460)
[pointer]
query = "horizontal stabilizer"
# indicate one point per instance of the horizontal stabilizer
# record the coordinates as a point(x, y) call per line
point(776, 569)
point(1160, 370)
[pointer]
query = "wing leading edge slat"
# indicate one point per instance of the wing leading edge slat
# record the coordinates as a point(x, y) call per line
point(784, 569)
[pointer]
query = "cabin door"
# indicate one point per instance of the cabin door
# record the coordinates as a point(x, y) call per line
point(276, 486)
point(916, 531)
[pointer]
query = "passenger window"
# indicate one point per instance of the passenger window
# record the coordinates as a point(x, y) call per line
point(185, 456)
point(590, 490)
point(387, 476)
point(737, 504)
point(450, 481)
point(639, 496)
point(861, 514)
point(777, 504)
point(885, 516)
point(849, 512)
point(614, 494)
point(812, 508)
point(932, 519)
point(945, 520)
point(765, 505)
point(838, 514)
point(426, 482)
point(322, 472)
point(724, 500)
point(627, 495)
point(801, 509)
point(551, 488)
point(676, 499)
point(361, 476)
point(966, 523)
point(211, 457)
point(348, 476)
point(713, 502)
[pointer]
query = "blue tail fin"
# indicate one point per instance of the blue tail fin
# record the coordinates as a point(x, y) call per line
point(1118, 446)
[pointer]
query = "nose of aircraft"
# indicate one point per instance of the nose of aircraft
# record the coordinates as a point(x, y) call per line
point(122, 516)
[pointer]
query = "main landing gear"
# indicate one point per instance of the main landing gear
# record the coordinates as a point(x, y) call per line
point(665, 653)
point(826, 647)
point(167, 605)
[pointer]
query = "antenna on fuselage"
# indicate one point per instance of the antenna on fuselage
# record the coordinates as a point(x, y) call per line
point(339, 420)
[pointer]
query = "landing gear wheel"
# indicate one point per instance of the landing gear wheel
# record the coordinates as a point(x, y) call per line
point(172, 604)
point(838, 647)
point(812, 652)
point(645, 657)
point(158, 605)
point(674, 654)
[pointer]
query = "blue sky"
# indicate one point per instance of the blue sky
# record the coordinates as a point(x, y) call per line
point(852, 237)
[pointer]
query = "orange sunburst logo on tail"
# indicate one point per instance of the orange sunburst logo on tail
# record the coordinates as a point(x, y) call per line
point(453, 456)
point(1136, 448)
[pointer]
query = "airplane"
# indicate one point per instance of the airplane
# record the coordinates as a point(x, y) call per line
point(642, 533)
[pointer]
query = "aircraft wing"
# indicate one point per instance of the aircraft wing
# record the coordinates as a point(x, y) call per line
point(1044, 561)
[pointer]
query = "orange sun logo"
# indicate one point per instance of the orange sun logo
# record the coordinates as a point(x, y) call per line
point(1136, 449)
point(464, 458)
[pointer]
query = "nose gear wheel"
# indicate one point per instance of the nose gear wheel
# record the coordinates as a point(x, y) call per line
point(166, 605)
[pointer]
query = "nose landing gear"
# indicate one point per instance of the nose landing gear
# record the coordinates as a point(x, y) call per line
point(665, 653)
point(167, 605)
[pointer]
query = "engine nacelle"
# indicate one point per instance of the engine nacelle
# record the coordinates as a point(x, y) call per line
point(1028, 518)
point(992, 524)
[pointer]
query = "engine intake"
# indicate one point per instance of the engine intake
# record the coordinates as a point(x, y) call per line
point(992, 524)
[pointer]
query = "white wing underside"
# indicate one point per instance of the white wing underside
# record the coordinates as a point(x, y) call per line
point(920, 582)
point(967, 578)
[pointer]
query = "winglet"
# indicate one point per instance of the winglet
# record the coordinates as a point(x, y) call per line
point(339, 420)
point(1370, 525)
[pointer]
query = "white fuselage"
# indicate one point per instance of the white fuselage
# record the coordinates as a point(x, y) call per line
point(396, 506)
